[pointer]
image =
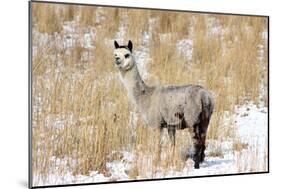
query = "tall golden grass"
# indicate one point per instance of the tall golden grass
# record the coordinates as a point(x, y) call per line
point(80, 108)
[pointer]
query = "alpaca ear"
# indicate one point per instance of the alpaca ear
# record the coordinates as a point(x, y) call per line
point(130, 45)
point(116, 44)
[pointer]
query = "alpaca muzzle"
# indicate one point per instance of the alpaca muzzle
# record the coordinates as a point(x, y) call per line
point(117, 60)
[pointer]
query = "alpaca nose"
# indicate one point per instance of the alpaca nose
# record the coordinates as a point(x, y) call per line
point(117, 60)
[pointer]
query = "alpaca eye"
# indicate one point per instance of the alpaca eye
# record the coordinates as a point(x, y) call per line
point(127, 55)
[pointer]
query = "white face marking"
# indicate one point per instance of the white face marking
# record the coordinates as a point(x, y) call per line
point(123, 59)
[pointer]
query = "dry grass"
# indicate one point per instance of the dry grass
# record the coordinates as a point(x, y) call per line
point(80, 109)
point(252, 160)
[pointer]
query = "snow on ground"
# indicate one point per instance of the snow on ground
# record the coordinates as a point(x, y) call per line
point(185, 46)
point(213, 25)
point(251, 124)
point(142, 54)
point(60, 173)
point(249, 120)
point(70, 36)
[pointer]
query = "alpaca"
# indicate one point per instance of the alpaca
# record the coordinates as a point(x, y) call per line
point(172, 107)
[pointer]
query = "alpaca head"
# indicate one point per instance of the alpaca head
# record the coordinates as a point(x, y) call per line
point(124, 59)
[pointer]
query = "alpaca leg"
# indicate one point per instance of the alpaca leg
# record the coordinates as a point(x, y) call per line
point(203, 147)
point(203, 132)
point(172, 134)
point(197, 146)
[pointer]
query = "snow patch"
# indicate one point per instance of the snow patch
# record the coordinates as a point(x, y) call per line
point(185, 47)
point(213, 25)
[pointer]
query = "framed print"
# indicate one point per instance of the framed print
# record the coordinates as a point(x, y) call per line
point(124, 94)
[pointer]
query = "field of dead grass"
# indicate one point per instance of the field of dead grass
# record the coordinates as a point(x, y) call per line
point(80, 110)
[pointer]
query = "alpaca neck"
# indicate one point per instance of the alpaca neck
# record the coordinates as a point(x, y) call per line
point(134, 84)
